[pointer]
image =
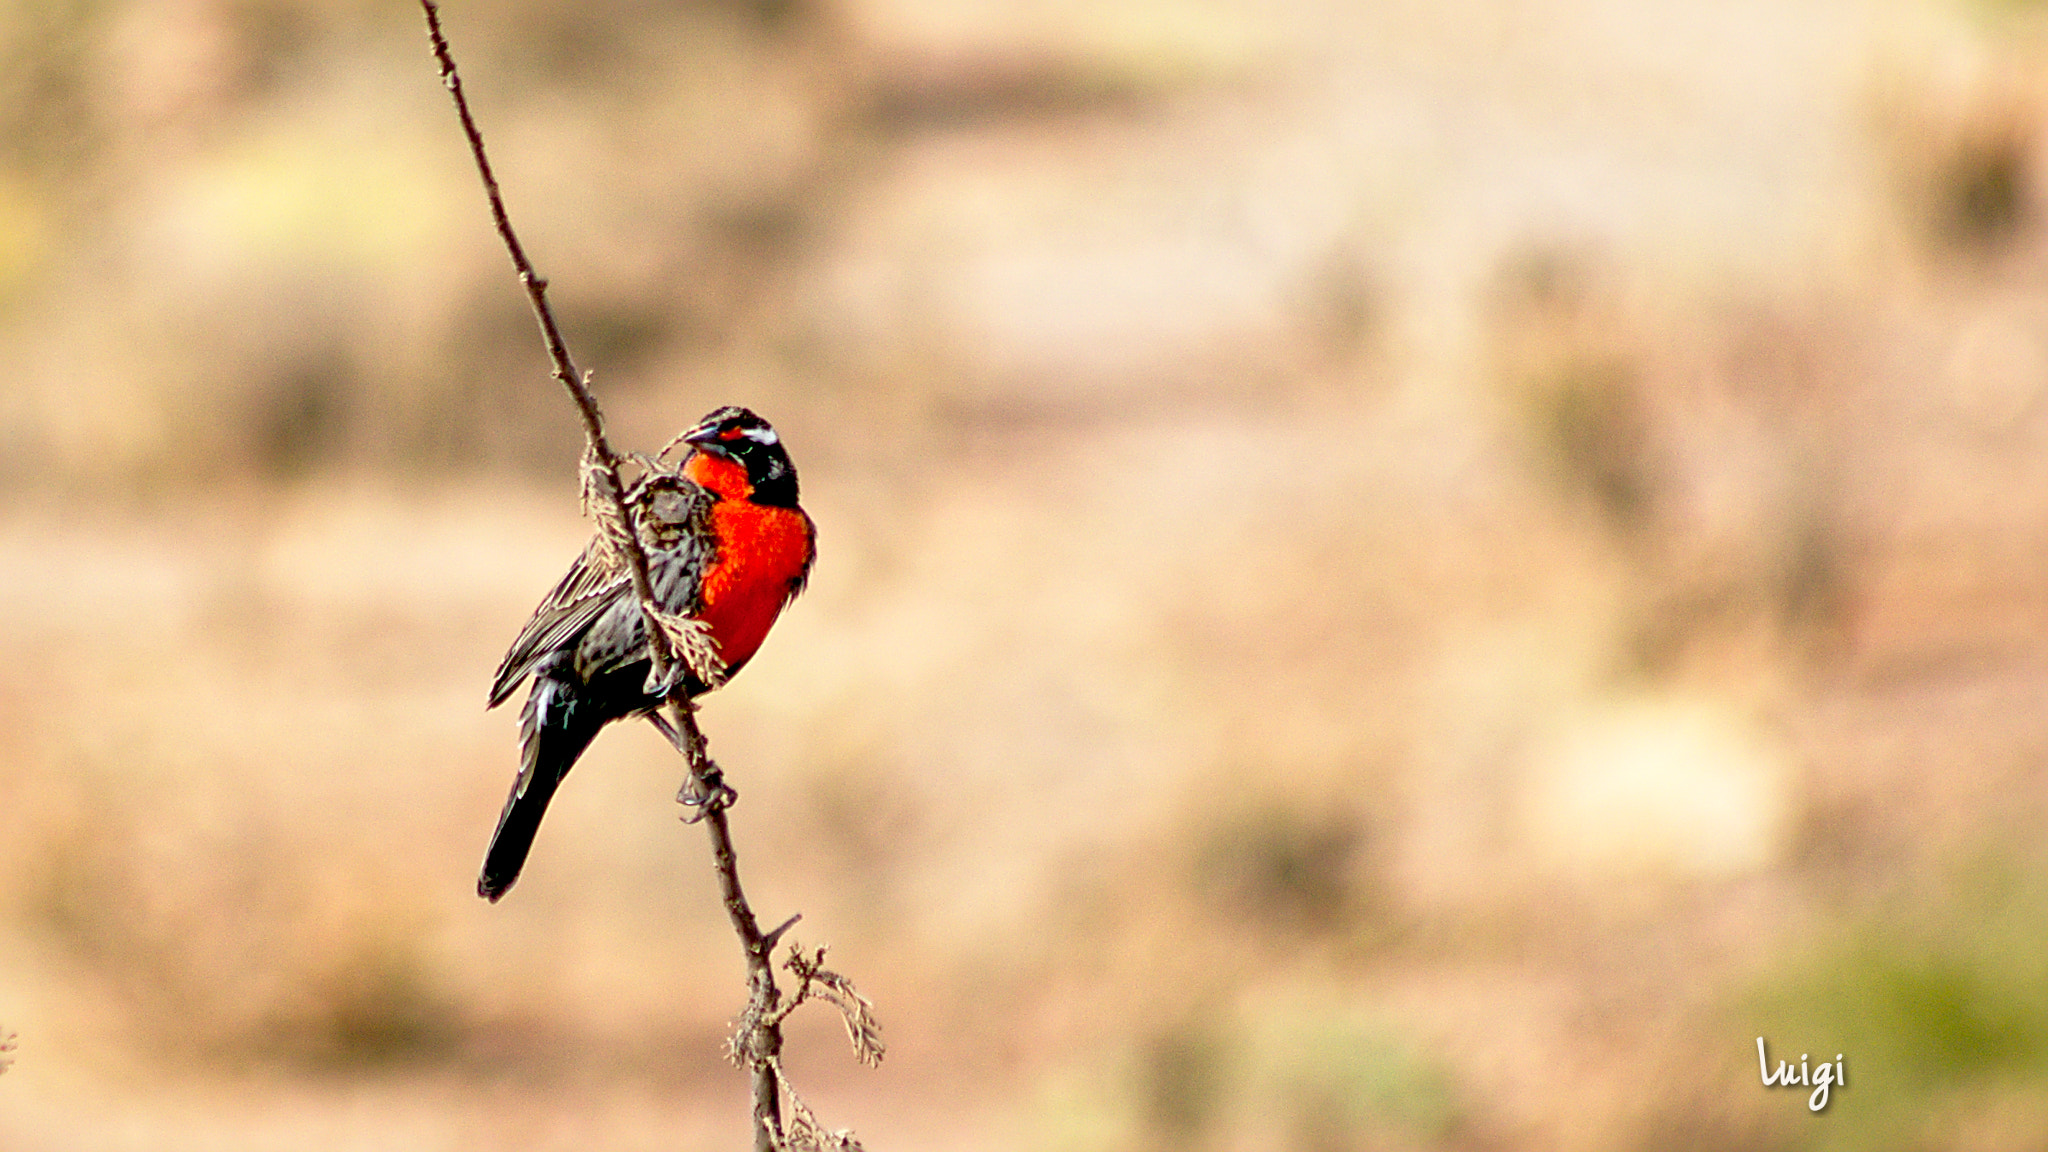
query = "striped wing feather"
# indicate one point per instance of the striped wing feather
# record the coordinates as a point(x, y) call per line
point(597, 591)
point(582, 595)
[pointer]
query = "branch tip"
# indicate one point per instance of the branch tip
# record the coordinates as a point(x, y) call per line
point(771, 939)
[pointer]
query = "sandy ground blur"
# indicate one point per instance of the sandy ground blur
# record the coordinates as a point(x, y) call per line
point(1394, 576)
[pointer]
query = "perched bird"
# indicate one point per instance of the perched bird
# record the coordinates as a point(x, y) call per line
point(727, 548)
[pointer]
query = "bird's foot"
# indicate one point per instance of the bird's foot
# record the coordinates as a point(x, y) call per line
point(705, 794)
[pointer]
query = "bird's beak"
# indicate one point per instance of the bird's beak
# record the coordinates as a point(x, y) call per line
point(704, 437)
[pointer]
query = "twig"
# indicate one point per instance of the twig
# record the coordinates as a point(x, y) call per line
point(558, 352)
point(862, 1030)
point(756, 1043)
point(760, 1046)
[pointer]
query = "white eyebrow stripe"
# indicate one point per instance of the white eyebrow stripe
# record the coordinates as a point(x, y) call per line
point(761, 435)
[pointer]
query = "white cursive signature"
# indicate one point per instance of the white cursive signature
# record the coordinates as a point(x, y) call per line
point(1819, 1076)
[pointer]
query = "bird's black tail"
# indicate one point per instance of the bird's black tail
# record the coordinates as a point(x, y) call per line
point(556, 730)
point(514, 838)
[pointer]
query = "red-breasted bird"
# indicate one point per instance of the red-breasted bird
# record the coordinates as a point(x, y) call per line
point(727, 548)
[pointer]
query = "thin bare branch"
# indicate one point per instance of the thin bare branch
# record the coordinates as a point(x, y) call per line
point(756, 1043)
point(757, 1040)
point(600, 449)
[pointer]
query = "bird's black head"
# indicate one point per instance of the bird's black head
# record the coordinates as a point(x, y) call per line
point(734, 434)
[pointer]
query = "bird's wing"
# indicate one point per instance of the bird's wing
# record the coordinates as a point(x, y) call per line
point(593, 583)
point(617, 632)
point(593, 610)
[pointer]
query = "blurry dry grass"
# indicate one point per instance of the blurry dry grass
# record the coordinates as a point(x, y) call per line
point(1394, 576)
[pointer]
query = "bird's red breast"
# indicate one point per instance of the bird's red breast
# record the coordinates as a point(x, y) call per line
point(761, 554)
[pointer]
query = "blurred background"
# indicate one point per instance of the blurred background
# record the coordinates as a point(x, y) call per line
point(1395, 575)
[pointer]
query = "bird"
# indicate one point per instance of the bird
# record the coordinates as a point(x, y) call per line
point(728, 547)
